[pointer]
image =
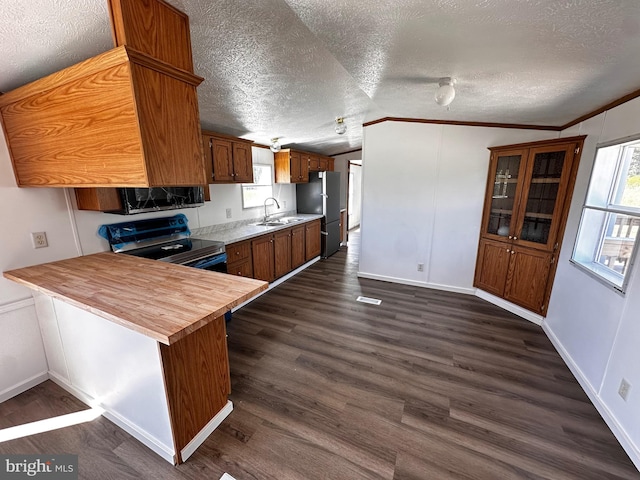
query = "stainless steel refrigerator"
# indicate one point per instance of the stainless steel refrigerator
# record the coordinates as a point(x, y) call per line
point(322, 197)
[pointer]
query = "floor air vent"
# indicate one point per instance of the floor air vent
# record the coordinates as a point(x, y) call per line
point(372, 301)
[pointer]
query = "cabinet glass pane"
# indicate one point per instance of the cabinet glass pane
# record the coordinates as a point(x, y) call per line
point(504, 192)
point(542, 195)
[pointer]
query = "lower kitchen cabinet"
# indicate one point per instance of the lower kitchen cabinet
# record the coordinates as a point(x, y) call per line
point(271, 256)
point(263, 258)
point(297, 246)
point(282, 252)
point(239, 260)
point(313, 245)
point(517, 274)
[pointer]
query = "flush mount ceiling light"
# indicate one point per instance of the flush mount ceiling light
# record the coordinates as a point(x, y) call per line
point(445, 93)
point(275, 145)
point(341, 127)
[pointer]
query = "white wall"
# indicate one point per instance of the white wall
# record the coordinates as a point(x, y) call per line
point(596, 329)
point(71, 233)
point(423, 192)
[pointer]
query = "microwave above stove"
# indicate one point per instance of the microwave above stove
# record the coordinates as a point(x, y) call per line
point(140, 200)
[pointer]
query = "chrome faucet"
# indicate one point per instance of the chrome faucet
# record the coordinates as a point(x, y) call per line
point(266, 217)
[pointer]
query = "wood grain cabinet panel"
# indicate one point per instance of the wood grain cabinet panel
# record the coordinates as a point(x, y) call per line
point(282, 252)
point(196, 372)
point(313, 245)
point(291, 166)
point(242, 268)
point(263, 258)
point(117, 119)
point(527, 278)
point(153, 27)
point(227, 159)
point(298, 246)
point(239, 261)
point(492, 266)
point(527, 200)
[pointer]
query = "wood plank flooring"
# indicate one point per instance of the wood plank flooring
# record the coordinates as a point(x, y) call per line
point(428, 385)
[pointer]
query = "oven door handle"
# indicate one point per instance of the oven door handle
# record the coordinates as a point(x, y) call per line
point(208, 261)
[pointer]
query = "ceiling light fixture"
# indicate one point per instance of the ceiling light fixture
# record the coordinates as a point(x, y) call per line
point(275, 145)
point(446, 93)
point(341, 127)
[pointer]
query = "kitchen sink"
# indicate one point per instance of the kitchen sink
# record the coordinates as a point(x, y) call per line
point(269, 224)
point(279, 222)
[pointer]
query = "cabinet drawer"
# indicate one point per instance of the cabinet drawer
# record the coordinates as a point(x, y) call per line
point(241, 268)
point(238, 251)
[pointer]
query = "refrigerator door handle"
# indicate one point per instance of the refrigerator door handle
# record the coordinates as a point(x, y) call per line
point(326, 234)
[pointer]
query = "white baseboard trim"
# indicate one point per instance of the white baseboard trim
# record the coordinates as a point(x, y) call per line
point(208, 429)
point(277, 282)
point(17, 305)
point(416, 283)
point(23, 386)
point(510, 307)
point(618, 431)
point(165, 451)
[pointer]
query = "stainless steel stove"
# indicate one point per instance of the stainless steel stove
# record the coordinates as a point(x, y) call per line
point(167, 239)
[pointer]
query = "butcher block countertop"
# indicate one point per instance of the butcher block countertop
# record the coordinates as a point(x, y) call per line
point(160, 300)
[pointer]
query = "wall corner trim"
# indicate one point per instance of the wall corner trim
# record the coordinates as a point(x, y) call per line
point(510, 307)
point(16, 305)
point(618, 431)
point(417, 283)
point(464, 124)
point(23, 386)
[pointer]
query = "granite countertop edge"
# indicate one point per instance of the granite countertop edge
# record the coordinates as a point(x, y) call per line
point(240, 233)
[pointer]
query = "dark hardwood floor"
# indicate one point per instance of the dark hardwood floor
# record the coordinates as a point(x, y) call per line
point(428, 385)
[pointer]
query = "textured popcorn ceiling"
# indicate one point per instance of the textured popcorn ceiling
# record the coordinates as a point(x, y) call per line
point(288, 67)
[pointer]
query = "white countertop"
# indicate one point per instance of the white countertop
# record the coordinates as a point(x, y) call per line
point(245, 232)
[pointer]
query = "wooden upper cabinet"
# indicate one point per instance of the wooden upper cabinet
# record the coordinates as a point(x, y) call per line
point(242, 162)
point(291, 166)
point(99, 123)
point(125, 118)
point(222, 154)
point(227, 159)
point(153, 27)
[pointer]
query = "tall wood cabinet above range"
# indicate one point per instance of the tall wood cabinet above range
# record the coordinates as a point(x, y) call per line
point(527, 200)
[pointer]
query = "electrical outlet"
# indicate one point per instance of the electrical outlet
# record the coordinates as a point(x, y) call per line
point(39, 239)
point(228, 213)
point(623, 391)
point(421, 267)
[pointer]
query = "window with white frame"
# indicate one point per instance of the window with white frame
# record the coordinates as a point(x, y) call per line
point(254, 194)
point(606, 242)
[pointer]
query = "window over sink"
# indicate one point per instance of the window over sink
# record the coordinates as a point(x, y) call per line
point(254, 194)
point(606, 244)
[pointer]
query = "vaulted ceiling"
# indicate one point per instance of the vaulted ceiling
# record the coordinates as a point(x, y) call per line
point(288, 68)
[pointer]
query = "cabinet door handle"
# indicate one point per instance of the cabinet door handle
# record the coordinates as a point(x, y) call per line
point(512, 252)
point(510, 237)
point(508, 250)
point(515, 238)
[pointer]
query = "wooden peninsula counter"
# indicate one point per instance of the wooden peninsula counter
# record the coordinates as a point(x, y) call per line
point(142, 339)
